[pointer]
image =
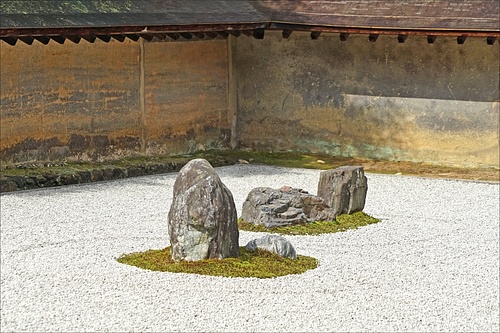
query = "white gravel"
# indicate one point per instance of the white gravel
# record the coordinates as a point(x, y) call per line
point(432, 264)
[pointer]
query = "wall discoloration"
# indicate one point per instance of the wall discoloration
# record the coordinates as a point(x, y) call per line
point(415, 101)
point(186, 95)
point(57, 92)
point(83, 100)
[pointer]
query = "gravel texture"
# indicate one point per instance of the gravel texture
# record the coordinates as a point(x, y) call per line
point(432, 264)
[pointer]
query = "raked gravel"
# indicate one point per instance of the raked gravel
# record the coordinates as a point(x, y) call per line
point(432, 264)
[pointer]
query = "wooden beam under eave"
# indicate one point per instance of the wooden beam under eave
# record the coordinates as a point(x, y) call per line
point(235, 33)
point(211, 34)
point(286, 33)
point(89, 38)
point(199, 35)
point(104, 38)
point(223, 34)
point(160, 36)
point(74, 39)
point(461, 39)
point(402, 38)
point(490, 40)
point(373, 37)
point(186, 35)
point(148, 37)
point(42, 39)
point(58, 39)
point(343, 36)
point(10, 40)
point(258, 33)
point(174, 36)
point(315, 34)
point(247, 32)
point(28, 40)
point(133, 37)
point(120, 38)
point(431, 39)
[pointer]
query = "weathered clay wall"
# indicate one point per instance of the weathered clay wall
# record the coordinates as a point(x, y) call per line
point(83, 101)
point(415, 101)
point(436, 103)
point(186, 96)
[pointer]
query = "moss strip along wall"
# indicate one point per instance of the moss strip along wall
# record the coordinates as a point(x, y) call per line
point(83, 101)
point(415, 101)
point(410, 101)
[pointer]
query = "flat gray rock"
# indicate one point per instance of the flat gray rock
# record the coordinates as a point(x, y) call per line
point(285, 206)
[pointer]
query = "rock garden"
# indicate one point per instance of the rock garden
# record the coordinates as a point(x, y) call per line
point(203, 226)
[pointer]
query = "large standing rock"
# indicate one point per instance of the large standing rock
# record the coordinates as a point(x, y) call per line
point(344, 189)
point(285, 206)
point(202, 221)
point(273, 243)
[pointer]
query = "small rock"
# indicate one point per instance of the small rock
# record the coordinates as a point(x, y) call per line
point(275, 244)
point(320, 162)
point(243, 161)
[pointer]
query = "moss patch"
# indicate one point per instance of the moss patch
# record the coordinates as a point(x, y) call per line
point(324, 162)
point(258, 264)
point(343, 222)
point(285, 159)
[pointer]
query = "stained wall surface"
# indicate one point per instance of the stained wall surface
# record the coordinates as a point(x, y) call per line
point(186, 96)
point(103, 101)
point(412, 101)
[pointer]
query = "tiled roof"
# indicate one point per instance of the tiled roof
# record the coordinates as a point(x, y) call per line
point(395, 14)
point(104, 19)
point(102, 13)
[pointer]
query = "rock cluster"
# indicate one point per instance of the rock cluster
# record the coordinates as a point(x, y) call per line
point(202, 220)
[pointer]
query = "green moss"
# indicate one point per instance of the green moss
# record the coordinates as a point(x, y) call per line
point(343, 222)
point(258, 264)
point(284, 159)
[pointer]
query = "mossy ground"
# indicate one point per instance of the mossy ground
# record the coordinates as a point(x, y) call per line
point(285, 159)
point(324, 162)
point(342, 223)
point(258, 264)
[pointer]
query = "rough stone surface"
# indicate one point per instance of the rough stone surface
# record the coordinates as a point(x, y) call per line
point(344, 189)
point(273, 243)
point(202, 221)
point(285, 206)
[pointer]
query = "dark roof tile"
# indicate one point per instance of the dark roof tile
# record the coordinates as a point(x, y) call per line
point(439, 15)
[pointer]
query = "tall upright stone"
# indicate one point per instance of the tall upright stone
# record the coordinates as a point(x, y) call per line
point(202, 221)
point(344, 189)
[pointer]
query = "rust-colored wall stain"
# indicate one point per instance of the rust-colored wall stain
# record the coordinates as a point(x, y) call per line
point(186, 95)
point(435, 103)
point(54, 92)
point(82, 101)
